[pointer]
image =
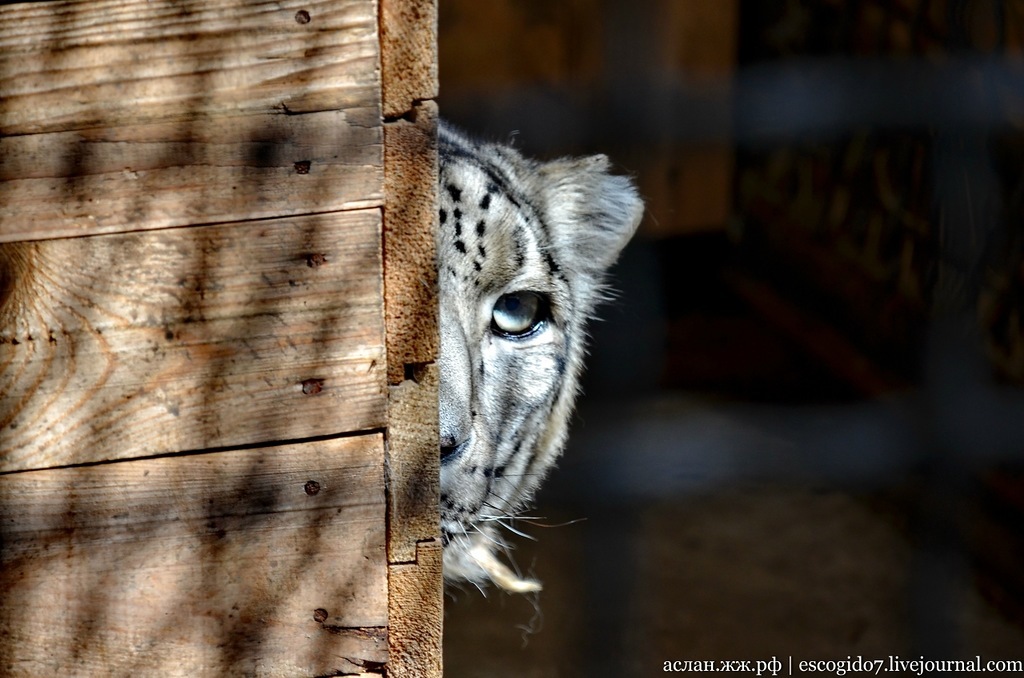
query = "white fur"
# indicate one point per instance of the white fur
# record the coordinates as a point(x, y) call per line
point(507, 225)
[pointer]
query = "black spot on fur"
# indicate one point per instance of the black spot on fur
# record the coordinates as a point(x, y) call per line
point(477, 266)
point(460, 246)
point(457, 213)
point(519, 240)
point(458, 229)
point(444, 216)
point(481, 226)
point(485, 201)
point(455, 192)
point(552, 266)
point(480, 249)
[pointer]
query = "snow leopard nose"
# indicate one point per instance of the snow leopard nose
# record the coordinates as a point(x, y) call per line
point(454, 428)
point(451, 452)
point(455, 390)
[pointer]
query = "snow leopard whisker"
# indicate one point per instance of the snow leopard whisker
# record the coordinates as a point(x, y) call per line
point(508, 509)
point(515, 517)
point(513, 530)
point(514, 514)
point(534, 522)
point(489, 537)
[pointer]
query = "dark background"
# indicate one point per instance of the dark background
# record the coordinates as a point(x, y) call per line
point(802, 430)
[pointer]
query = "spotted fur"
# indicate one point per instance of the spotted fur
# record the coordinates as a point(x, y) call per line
point(517, 240)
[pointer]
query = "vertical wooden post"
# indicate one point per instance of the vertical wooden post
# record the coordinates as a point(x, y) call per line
point(409, 65)
point(409, 72)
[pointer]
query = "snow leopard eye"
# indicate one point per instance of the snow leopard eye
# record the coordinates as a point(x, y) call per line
point(518, 314)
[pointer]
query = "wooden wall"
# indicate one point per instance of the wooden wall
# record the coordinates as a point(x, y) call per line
point(602, 75)
point(217, 337)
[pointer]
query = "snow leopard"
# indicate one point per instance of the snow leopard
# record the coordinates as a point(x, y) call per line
point(523, 247)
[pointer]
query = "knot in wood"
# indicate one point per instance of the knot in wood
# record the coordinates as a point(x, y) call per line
point(312, 386)
point(316, 259)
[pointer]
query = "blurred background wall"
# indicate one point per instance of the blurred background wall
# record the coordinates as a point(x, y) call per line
point(802, 431)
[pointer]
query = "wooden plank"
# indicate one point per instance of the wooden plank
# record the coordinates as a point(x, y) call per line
point(140, 344)
point(410, 216)
point(409, 82)
point(688, 189)
point(121, 115)
point(158, 175)
point(698, 39)
point(408, 34)
point(416, 615)
point(257, 562)
point(83, 64)
point(413, 464)
point(688, 186)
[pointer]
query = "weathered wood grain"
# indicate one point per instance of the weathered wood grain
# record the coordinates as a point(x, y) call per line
point(416, 614)
point(120, 115)
point(408, 35)
point(84, 64)
point(413, 464)
point(257, 562)
point(158, 175)
point(257, 125)
point(139, 344)
point(408, 31)
point(410, 218)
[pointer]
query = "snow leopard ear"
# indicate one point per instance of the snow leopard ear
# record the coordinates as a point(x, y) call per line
point(592, 212)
